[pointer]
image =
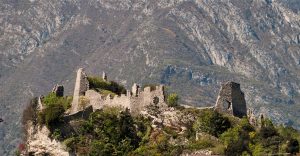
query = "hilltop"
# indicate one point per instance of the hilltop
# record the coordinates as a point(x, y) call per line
point(193, 46)
point(104, 118)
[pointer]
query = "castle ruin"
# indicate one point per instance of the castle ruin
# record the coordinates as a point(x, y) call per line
point(231, 100)
point(135, 99)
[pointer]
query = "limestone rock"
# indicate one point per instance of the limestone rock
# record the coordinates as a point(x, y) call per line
point(39, 143)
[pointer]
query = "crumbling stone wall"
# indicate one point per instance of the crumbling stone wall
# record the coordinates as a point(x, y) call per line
point(147, 97)
point(135, 102)
point(95, 99)
point(81, 86)
point(231, 100)
point(98, 101)
point(117, 101)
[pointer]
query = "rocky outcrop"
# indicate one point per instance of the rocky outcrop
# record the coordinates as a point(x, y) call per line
point(198, 153)
point(231, 100)
point(39, 143)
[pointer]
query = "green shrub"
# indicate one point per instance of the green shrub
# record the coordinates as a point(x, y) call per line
point(269, 137)
point(238, 139)
point(257, 149)
point(202, 143)
point(288, 132)
point(143, 128)
point(172, 100)
point(211, 122)
point(159, 145)
point(52, 99)
point(51, 114)
point(113, 131)
point(54, 109)
point(56, 134)
point(99, 84)
point(231, 135)
point(101, 148)
point(70, 143)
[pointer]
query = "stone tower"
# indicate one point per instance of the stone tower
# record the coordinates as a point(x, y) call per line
point(135, 89)
point(81, 86)
point(58, 90)
point(231, 100)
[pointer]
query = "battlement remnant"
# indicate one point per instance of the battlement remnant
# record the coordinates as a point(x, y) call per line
point(81, 86)
point(104, 76)
point(231, 100)
point(135, 89)
point(58, 90)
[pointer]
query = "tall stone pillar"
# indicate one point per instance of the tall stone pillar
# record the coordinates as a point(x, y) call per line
point(81, 86)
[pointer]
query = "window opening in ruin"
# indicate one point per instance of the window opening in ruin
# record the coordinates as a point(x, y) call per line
point(155, 100)
point(226, 105)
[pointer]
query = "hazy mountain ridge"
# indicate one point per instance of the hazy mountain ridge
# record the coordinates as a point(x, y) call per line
point(191, 45)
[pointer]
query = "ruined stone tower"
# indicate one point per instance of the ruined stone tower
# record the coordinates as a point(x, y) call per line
point(58, 90)
point(231, 100)
point(81, 86)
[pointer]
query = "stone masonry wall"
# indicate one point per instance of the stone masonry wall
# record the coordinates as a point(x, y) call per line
point(231, 100)
point(81, 86)
point(136, 103)
point(146, 97)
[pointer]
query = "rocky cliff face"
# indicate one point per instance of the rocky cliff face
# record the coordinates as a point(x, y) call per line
point(191, 45)
point(39, 143)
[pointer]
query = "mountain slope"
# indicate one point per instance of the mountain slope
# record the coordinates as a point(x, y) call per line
point(192, 46)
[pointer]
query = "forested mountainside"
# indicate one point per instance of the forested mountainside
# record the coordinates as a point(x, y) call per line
point(190, 45)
